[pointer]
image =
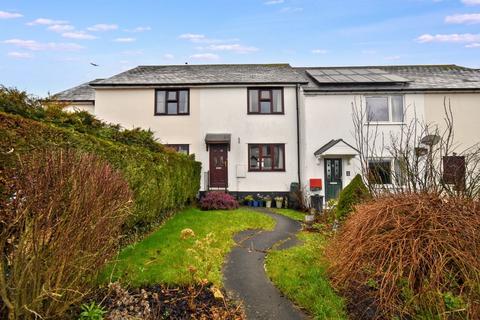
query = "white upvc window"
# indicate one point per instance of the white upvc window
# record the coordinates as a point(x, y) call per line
point(385, 108)
point(386, 171)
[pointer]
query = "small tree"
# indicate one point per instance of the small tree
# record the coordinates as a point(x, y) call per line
point(354, 193)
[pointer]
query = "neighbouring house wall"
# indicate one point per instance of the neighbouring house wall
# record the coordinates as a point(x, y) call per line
point(212, 110)
point(81, 106)
point(466, 115)
point(329, 116)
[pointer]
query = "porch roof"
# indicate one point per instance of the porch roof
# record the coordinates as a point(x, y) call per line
point(343, 148)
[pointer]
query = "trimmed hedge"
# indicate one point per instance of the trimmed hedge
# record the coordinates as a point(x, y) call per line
point(162, 180)
point(354, 193)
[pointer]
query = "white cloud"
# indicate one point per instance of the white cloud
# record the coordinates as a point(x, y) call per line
point(473, 45)
point(61, 28)
point(20, 55)
point(79, 35)
point(124, 40)
point(291, 9)
point(237, 48)
point(46, 22)
point(139, 29)
point(103, 27)
point(392, 58)
point(10, 15)
point(274, 2)
point(193, 37)
point(470, 18)
point(319, 51)
point(132, 52)
point(41, 46)
point(205, 56)
point(168, 56)
point(471, 2)
point(454, 37)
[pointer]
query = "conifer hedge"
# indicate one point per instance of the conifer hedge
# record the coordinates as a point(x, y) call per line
point(161, 179)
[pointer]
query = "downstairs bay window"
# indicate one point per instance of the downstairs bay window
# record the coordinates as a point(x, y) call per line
point(266, 157)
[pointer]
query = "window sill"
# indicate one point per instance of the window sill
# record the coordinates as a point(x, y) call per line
point(266, 170)
point(384, 123)
point(170, 115)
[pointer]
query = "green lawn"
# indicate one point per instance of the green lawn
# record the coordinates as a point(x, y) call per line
point(164, 257)
point(300, 273)
point(293, 214)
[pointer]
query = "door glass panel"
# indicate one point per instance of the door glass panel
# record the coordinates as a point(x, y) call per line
point(254, 157)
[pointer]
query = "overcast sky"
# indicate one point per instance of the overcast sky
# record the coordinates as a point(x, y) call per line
point(47, 46)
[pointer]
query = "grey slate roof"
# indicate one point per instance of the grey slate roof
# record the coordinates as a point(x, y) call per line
point(206, 75)
point(421, 77)
point(330, 144)
point(83, 92)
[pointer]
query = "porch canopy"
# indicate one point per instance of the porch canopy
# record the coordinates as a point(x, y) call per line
point(336, 147)
point(218, 138)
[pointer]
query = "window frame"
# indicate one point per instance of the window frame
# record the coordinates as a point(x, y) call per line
point(396, 178)
point(167, 90)
point(389, 107)
point(260, 157)
point(178, 145)
point(270, 89)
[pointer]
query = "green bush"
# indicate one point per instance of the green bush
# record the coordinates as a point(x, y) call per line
point(354, 193)
point(162, 180)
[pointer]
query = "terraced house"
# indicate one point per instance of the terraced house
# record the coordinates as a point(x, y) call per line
point(259, 128)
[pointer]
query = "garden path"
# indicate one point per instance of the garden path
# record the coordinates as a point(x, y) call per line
point(244, 273)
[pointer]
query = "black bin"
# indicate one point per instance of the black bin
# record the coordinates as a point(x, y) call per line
point(317, 202)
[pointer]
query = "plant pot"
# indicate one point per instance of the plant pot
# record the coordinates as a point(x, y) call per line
point(309, 218)
point(255, 203)
point(268, 203)
point(278, 203)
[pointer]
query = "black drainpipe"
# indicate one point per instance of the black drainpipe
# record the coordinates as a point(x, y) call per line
point(298, 136)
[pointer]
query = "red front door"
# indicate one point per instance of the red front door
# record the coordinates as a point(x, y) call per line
point(218, 166)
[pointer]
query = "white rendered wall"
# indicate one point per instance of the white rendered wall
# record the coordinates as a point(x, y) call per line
point(212, 110)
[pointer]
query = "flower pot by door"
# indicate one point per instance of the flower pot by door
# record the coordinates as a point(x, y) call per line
point(268, 203)
point(278, 203)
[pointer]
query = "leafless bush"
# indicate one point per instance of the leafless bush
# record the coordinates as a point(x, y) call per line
point(420, 152)
point(60, 219)
point(410, 255)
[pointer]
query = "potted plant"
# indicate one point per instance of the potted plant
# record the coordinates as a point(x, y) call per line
point(260, 200)
point(248, 200)
point(279, 202)
point(268, 201)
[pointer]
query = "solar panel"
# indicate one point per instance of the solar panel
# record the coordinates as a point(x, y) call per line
point(354, 75)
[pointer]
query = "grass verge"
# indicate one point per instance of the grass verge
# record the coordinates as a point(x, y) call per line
point(292, 214)
point(300, 273)
point(168, 258)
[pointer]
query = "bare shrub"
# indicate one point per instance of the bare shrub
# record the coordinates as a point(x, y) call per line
point(410, 255)
point(60, 219)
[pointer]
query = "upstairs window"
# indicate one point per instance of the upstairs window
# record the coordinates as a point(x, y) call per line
point(265, 101)
point(385, 108)
point(266, 157)
point(181, 148)
point(172, 102)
